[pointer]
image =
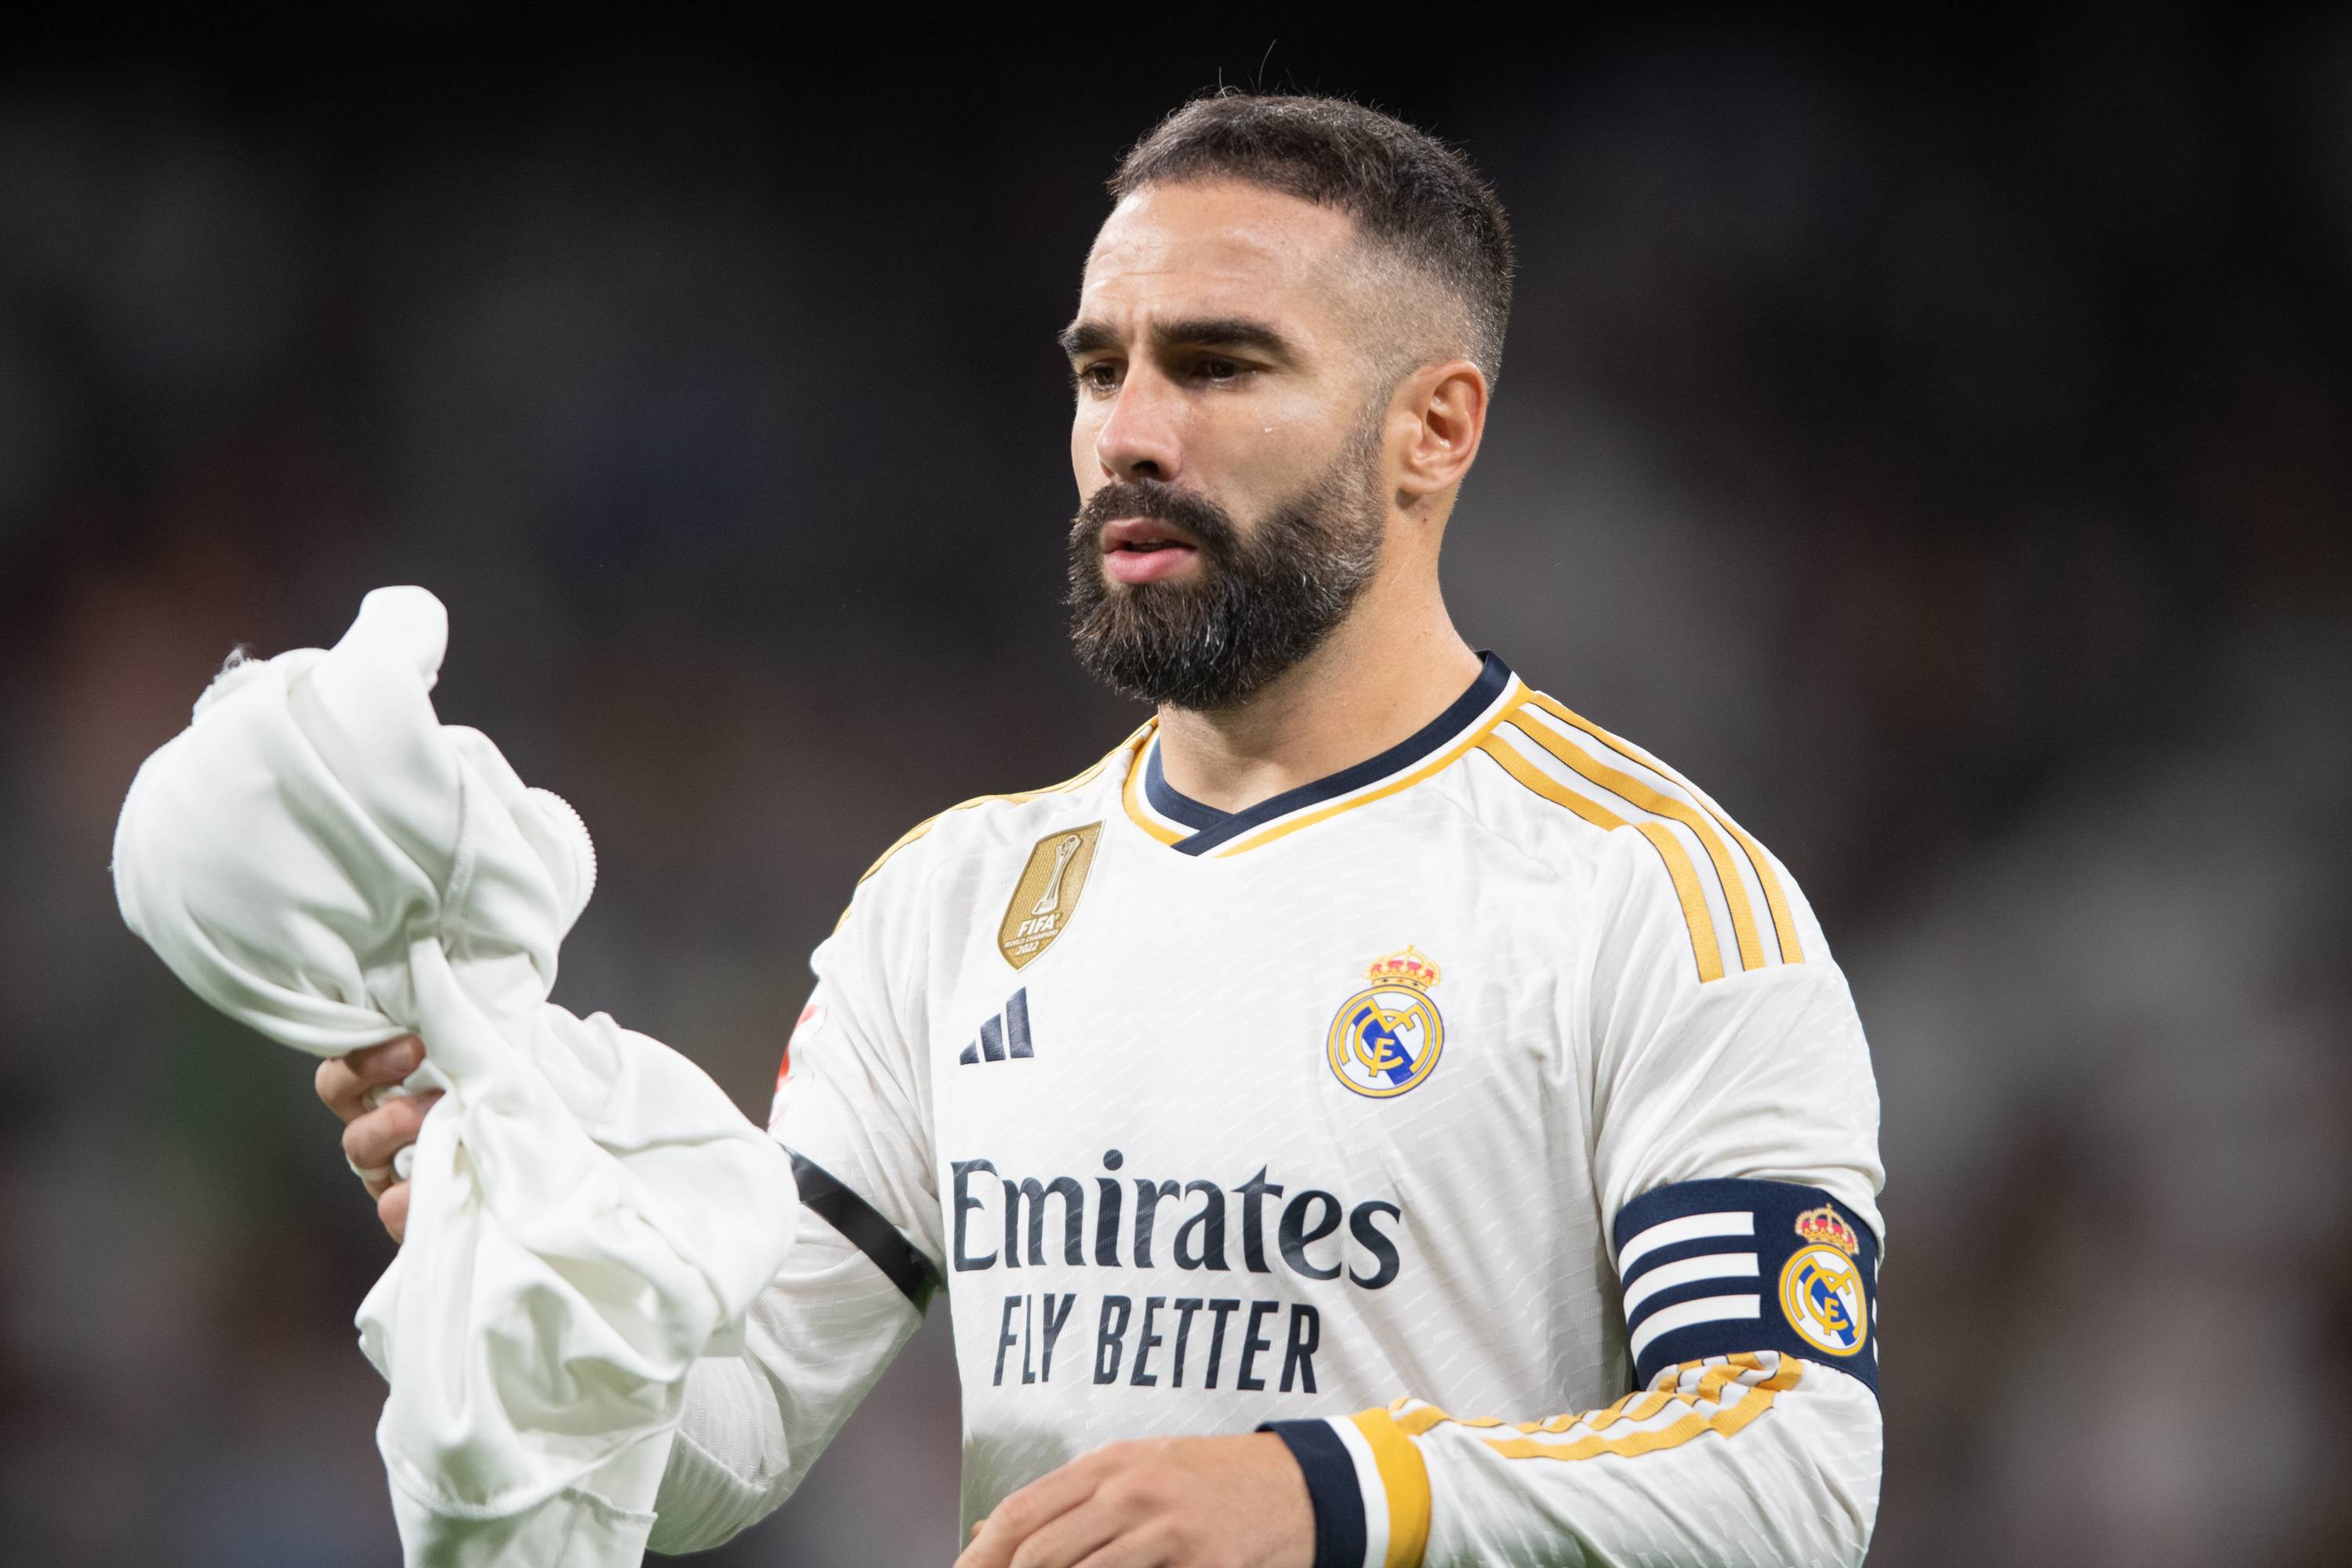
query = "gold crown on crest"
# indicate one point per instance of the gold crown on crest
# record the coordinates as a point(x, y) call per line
point(1823, 1225)
point(1406, 968)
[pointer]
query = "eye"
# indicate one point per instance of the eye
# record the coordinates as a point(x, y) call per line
point(1213, 369)
point(1096, 375)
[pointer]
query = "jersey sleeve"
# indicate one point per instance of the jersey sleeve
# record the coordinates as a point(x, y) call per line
point(1736, 1159)
point(852, 1108)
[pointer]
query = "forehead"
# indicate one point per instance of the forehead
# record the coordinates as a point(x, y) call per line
point(1214, 249)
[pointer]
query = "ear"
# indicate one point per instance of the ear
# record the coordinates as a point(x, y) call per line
point(1443, 409)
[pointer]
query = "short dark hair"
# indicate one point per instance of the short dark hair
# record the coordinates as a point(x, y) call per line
point(1407, 191)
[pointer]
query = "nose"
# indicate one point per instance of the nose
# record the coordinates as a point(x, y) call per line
point(1140, 439)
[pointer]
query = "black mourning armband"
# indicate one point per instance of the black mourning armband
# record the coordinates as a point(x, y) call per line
point(1716, 1267)
point(864, 1229)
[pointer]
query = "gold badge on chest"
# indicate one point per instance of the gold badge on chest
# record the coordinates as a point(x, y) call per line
point(1047, 894)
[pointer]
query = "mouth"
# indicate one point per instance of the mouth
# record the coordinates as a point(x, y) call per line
point(1144, 550)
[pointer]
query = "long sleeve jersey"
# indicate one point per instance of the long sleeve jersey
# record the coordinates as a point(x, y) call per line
point(1489, 1120)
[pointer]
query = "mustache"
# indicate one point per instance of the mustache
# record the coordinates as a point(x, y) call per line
point(1157, 500)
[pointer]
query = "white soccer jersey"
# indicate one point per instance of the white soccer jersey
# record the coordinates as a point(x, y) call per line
point(1400, 1094)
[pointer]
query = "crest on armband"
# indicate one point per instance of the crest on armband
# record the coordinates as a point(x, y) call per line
point(1821, 1291)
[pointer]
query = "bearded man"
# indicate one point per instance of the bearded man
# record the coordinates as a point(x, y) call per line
point(1373, 1116)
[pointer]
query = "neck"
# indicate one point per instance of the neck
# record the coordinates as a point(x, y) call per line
point(1386, 671)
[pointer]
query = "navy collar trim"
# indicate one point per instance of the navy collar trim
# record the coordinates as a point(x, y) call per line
point(1213, 827)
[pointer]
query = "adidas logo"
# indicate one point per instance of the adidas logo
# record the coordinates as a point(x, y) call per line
point(1006, 1035)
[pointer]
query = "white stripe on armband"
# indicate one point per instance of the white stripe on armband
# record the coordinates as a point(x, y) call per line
point(1666, 1276)
point(1683, 1314)
point(1690, 1227)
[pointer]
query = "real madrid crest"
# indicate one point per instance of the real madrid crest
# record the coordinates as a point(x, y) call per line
point(1387, 1037)
point(1047, 894)
point(1821, 1285)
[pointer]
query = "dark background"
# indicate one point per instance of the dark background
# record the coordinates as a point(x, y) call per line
point(1938, 445)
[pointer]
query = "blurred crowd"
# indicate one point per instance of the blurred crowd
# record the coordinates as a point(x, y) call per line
point(1940, 447)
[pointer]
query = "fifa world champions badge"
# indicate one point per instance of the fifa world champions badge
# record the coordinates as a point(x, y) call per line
point(1386, 1038)
point(1822, 1288)
point(1047, 894)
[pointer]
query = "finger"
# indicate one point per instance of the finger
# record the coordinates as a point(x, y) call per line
point(1028, 1510)
point(392, 1208)
point(339, 1088)
point(1151, 1545)
point(371, 1139)
point(1074, 1537)
point(342, 1082)
point(389, 1062)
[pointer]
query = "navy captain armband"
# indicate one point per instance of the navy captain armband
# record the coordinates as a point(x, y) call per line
point(1720, 1267)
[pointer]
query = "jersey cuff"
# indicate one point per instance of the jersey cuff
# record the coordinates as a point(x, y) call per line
point(1716, 1267)
point(1368, 1486)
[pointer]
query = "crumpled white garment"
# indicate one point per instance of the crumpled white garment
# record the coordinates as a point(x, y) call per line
point(321, 859)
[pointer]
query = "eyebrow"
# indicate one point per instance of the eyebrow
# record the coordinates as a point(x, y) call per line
point(1200, 332)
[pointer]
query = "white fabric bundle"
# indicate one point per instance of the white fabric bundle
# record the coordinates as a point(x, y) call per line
point(321, 859)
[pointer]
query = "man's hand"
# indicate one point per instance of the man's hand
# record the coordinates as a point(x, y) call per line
point(1167, 1502)
point(370, 1138)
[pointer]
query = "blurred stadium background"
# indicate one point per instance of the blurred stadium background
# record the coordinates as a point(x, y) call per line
point(1939, 445)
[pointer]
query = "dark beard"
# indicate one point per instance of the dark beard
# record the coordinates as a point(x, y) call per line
point(1266, 599)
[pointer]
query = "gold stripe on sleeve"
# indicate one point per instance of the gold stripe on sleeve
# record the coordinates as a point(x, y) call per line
point(1552, 789)
point(1686, 887)
point(1704, 949)
point(1738, 1374)
point(1640, 795)
point(1424, 1417)
point(1640, 1408)
point(1405, 1479)
point(1784, 924)
point(1633, 1445)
